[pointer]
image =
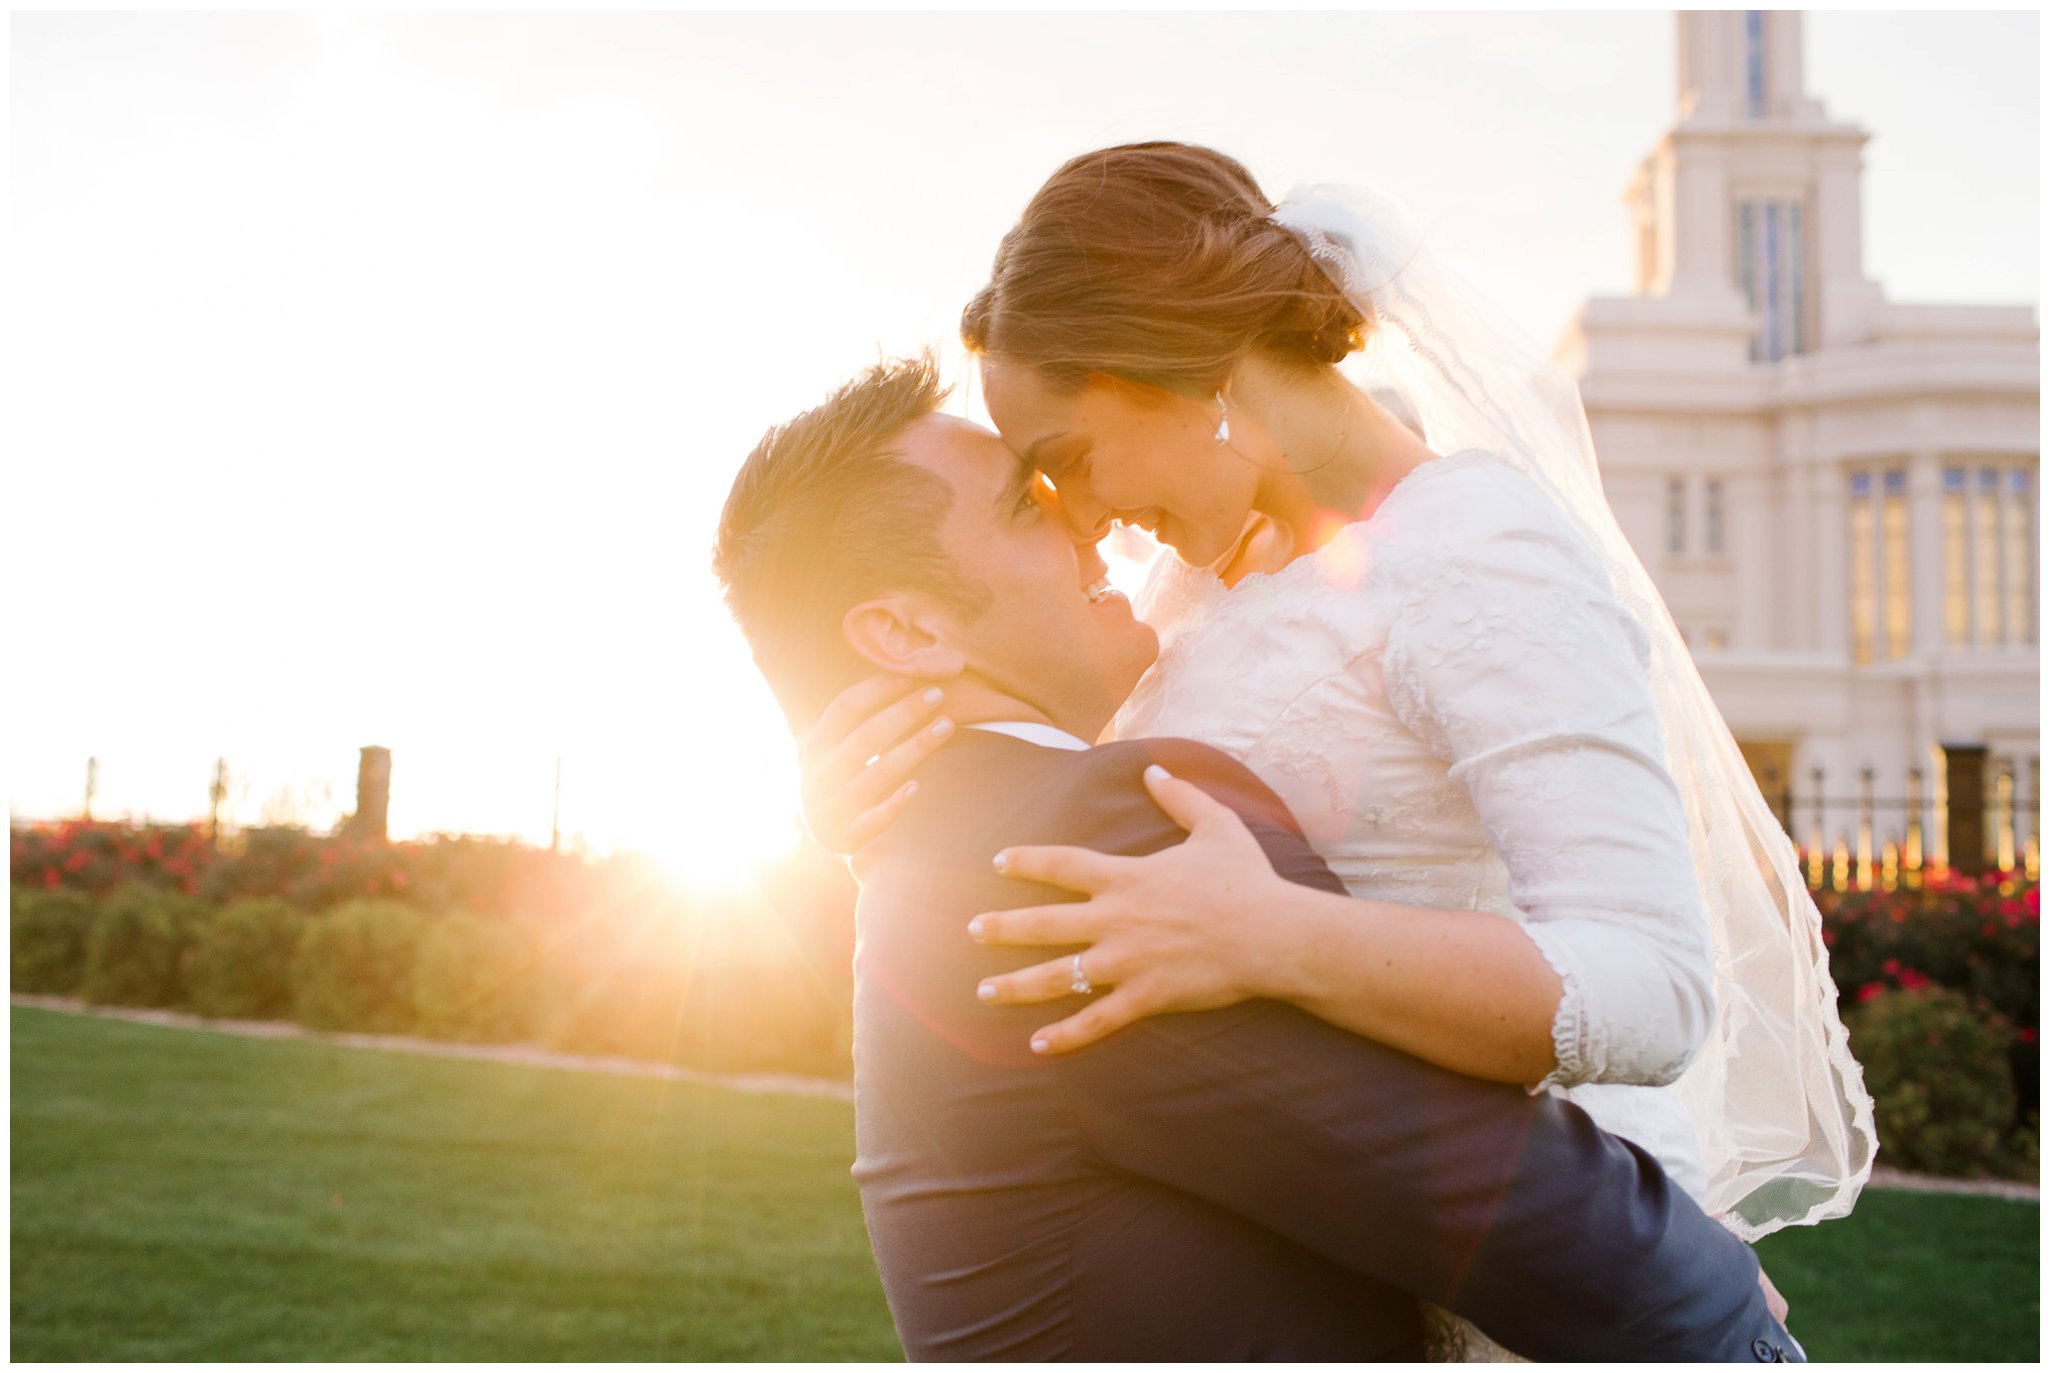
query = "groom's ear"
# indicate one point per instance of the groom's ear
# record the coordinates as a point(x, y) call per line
point(903, 635)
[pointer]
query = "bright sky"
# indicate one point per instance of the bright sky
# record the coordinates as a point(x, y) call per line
point(378, 379)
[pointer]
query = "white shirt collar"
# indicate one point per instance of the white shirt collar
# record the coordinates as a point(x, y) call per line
point(1046, 736)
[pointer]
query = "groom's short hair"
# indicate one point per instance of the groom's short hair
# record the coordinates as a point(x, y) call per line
point(825, 514)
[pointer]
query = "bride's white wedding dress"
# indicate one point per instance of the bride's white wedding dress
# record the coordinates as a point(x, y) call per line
point(1456, 706)
point(1457, 710)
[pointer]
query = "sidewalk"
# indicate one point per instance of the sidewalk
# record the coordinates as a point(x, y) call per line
point(758, 1084)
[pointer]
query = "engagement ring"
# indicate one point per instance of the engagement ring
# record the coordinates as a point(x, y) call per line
point(1079, 983)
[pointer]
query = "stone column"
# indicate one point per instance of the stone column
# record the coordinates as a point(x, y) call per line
point(373, 794)
point(1830, 537)
point(1701, 214)
point(1846, 298)
point(1753, 540)
point(1925, 553)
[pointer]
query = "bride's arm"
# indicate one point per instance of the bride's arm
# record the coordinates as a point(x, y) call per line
point(1516, 664)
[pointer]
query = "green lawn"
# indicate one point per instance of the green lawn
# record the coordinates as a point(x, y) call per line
point(1911, 1276)
point(183, 1196)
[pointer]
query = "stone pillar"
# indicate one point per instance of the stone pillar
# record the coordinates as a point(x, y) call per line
point(1925, 553)
point(373, 794)
point(1754, 540)
point(1847, 300)
point(1831, 545)
point(1701, 221)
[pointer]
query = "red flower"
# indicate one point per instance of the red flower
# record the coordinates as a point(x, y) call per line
point(2026, 1034)
point(1891, 965)
point(78, 859)
point(1913, 981)
point(50, 877)
point(155, 847)
point(1870, 990)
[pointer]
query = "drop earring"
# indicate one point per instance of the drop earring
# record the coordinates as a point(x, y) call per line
point(1223, 420)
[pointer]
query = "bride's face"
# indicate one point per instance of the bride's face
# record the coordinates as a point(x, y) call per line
point(1120, 450)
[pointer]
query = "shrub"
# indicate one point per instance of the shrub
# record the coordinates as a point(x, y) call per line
point(474, 981)
point(50, 929)
point(136, 952)
point(614, 985)
point(242, 961)
point(1938, 1073)
point(675, 982)
point(353, 969)
point(97, 856)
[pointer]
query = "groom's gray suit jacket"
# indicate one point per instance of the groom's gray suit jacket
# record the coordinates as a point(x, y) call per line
point(1249, 1183)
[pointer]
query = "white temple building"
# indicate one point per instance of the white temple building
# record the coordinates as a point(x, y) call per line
point(1835, 492)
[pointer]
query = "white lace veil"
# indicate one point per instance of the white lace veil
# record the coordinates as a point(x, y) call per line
point(1785, 1121)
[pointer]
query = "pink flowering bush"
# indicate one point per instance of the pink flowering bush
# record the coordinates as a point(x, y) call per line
point(1968, 946)
point(95, 857)
point(1942, 1092)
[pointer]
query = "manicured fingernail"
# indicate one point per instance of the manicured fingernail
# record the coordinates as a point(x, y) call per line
point(1038, 1046)
point(1156, 773)
point(1002, 862)
point(942, 728)
point(933, 696)
point(975, 928)
point(987, 991)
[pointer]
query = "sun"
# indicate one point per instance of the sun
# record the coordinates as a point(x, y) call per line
point(713, 864)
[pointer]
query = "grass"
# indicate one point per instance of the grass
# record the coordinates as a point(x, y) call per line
point(182, 1196)
point(1914, 1276)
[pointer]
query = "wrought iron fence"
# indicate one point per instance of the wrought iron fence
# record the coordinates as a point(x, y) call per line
point(1867, 841)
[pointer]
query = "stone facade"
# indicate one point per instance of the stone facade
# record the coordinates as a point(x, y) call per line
point(1836, 493)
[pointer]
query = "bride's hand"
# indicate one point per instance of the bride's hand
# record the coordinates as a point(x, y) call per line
point(1168, 932)
point(1774, 1302)
point(847, 799)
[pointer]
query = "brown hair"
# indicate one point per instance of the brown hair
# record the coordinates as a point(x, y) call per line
point(824, 515)
point(1156, 262)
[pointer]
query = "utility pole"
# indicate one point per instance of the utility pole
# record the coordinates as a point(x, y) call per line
point(555, 824)
point(92, 784)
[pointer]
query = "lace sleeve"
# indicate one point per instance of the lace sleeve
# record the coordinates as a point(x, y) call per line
point(1510, 657)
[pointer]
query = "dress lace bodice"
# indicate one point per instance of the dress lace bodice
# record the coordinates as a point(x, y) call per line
point(1457, 709)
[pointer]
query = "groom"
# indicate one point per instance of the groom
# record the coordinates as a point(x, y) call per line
point(1235, 1184)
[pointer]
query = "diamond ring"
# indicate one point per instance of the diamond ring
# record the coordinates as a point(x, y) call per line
point(1079, 983)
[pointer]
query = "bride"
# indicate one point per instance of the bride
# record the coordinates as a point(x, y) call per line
point(1434, 643)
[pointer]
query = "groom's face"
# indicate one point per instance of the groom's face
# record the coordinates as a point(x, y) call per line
point(1042, 636)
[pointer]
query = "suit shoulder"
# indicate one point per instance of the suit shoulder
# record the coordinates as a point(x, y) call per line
point(1121, 766)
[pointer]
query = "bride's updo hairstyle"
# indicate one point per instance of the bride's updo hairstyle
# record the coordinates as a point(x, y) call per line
point(1156, 262)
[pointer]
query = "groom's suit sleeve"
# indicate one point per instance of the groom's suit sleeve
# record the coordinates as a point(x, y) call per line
point(1515, 1211)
